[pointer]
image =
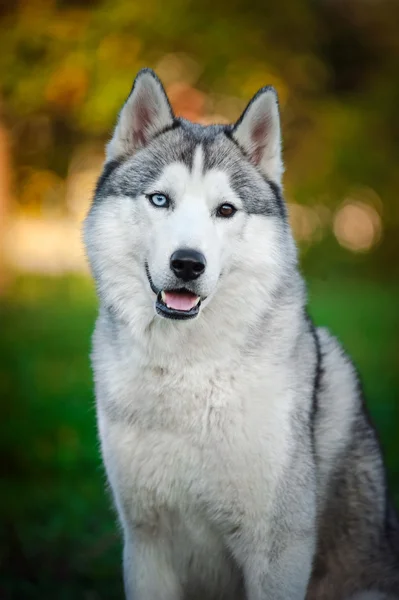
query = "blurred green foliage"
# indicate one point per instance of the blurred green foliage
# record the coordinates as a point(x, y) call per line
point(60, 538)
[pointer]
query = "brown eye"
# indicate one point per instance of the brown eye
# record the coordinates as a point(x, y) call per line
point(226, 210)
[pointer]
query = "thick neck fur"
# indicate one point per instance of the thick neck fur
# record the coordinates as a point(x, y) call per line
point(233, 326)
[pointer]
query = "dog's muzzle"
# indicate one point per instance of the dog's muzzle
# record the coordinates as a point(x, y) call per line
point(179, 304)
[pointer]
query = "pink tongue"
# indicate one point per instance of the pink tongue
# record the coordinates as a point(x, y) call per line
point(183, 301)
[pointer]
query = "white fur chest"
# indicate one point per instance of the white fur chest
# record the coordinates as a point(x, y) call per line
point(206, 435)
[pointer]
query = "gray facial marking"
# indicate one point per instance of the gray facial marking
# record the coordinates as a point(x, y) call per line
point(132, 175)
point(259, 195)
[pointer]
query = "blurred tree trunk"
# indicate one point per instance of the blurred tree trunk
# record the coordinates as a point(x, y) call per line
point(4, 201)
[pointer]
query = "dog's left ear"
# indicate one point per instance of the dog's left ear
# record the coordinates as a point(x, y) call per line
point(258, 133)
point(146, 112)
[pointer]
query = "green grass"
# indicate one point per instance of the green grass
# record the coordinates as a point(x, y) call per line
point(59, 536)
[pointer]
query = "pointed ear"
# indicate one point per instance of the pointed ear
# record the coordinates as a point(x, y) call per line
point(146, 112)
point(258, 132)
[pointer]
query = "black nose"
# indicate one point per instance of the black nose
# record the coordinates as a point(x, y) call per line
point(187, 264)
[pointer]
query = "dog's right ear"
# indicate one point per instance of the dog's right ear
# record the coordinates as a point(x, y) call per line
point(146, 112)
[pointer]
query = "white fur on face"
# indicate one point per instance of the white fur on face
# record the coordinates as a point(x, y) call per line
point(192, 222)
point(123, 234)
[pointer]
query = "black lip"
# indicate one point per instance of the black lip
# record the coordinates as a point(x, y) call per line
point(150, 281)
point(171, 313)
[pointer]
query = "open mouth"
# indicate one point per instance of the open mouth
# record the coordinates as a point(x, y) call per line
point(177, 304)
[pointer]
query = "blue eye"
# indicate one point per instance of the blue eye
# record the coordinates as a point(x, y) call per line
point(159, 200)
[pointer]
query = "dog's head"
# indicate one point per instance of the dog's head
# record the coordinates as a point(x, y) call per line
point(183, 212)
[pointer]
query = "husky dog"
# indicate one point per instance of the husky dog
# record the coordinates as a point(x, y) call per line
point(234, 434)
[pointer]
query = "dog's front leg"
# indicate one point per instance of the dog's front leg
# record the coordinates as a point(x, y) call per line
point(282, 577)
point(275, 550)
point(148, 570)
